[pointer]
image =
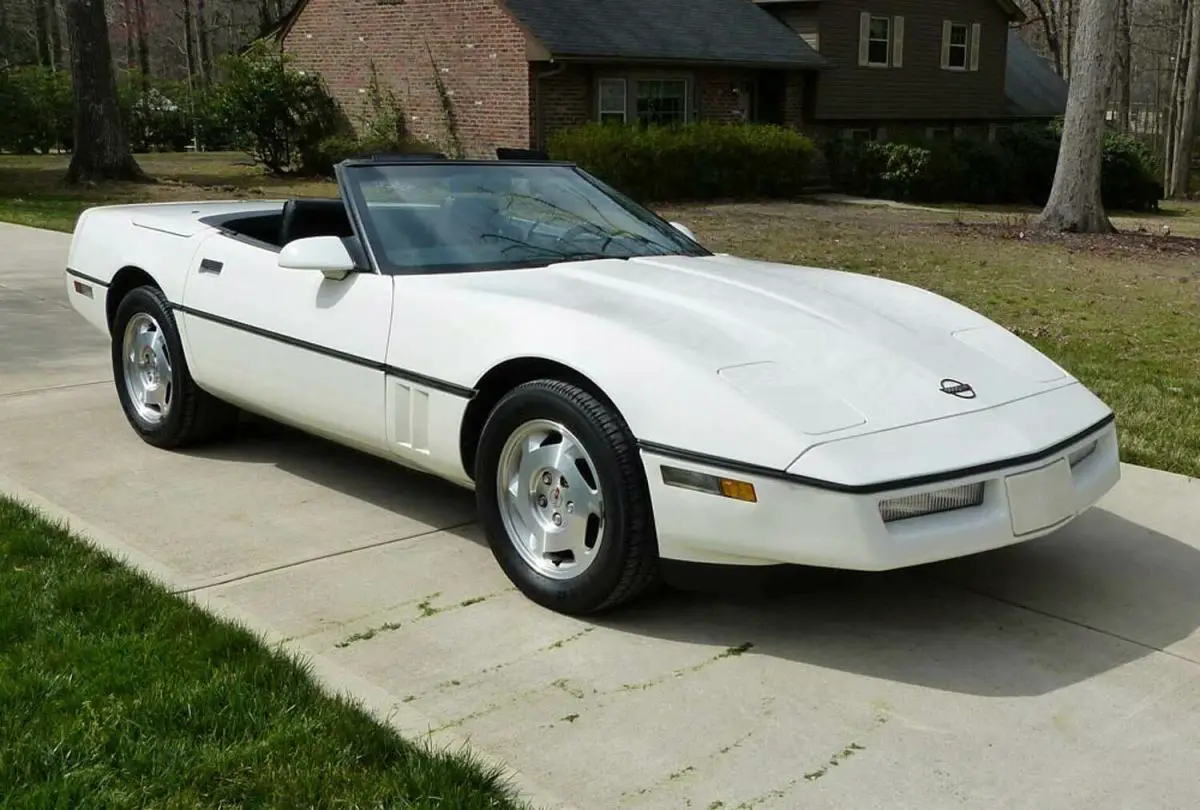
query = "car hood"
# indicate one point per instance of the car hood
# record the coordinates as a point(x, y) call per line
point(826, 352)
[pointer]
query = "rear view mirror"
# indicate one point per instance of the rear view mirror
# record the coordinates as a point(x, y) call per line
point(684, 229)
point(325, 254)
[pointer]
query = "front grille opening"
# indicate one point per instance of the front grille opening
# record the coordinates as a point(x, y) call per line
point(931, 503)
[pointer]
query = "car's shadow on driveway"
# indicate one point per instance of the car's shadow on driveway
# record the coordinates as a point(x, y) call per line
point(1022, 621)
point(358, 475)
point(1026, 620)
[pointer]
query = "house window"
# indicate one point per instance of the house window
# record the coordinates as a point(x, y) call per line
point(613, 101)
point(960, 45)
point(858, 134)
point(662, 101)
point(956, 58)
point(879, 41)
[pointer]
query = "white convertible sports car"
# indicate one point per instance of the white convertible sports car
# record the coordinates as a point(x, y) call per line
point(616, 394)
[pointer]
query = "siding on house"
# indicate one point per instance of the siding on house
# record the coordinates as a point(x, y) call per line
point(804, 20)
point(917, 90)
point(479, 49)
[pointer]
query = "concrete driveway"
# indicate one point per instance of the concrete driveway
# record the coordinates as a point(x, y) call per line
point(1063, 673)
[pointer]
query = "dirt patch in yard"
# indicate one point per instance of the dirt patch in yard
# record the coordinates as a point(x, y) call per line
point(1142, 243)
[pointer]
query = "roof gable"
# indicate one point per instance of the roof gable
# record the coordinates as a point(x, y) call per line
point(696, 31)
point(1032, 88)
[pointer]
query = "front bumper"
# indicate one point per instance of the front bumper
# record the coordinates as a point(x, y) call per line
point(793, 522)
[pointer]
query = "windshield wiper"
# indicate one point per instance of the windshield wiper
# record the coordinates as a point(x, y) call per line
point(584, 255)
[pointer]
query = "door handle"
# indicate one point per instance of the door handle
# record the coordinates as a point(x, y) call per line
point(211, 266)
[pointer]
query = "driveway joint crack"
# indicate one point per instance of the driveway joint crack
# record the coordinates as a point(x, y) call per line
point(318, 558)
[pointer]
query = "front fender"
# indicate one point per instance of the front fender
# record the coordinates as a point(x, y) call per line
point(667, 395)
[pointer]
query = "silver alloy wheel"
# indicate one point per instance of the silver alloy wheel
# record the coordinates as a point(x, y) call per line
point(550, 499)
point(147, 366)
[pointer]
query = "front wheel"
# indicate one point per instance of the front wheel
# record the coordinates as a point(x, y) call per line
point(161, 400)
point(563, 499)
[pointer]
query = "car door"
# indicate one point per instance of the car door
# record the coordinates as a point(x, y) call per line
point(292, 345)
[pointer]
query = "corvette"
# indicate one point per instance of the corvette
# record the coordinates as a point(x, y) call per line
point(616, 394)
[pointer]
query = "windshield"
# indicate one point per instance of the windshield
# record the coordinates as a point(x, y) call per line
point(456, 216)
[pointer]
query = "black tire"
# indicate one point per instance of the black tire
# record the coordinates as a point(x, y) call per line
point(626, 565)
point(194, 415)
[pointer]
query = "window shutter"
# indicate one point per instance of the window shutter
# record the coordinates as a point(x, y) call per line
point(864, 34)
point(975, 34)
point(898, 42)
point(945, 44)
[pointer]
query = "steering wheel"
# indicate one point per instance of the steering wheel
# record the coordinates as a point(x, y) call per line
point(578, 230)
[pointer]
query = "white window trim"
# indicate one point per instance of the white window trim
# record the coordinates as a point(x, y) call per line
point(687, 94)
point(949, 47)
point(848, 133)
point(630, 82)
point(971, 55)
point(865, 40)
point(624, 111)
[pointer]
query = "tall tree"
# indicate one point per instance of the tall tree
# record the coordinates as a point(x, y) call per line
point(143, 43)
point(101, 145)
point(1046, 13)
point(1075, 203)
point(1125, 67)
point(203, 41)
point(1175, 91)
point(1185, 135)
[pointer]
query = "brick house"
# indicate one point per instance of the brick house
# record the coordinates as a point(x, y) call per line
point(516, 70)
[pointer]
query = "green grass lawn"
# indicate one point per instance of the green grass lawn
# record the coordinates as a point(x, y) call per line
point(1121, 313)
point(115, 694)
point(32, 191)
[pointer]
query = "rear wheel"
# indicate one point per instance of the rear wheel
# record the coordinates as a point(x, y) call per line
point(158, 395)
point(564, 500)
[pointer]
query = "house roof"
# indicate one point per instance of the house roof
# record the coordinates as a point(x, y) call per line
point(1032, 88)
point(695, 31)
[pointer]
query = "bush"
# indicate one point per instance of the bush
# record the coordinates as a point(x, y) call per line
point(38, 110)
point(276, 113)
point(156, 114)
point(1033, 155)
point(1018, 168)
point(701, 161)
point(1130, 179)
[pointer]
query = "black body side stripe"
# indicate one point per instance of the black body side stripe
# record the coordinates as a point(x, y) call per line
point(87, 278)
point(411, 376)
point(869, 489)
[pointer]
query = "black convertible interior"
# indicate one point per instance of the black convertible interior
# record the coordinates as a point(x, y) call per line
point(297, 219)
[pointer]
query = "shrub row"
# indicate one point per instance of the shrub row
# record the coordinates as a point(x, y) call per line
point(158, 115)
point(702, 161)
point(1017, 168)
point(284, 118)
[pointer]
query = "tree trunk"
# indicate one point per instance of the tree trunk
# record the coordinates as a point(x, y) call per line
point(143, 44)
point(189, 41)
point(41, 23)
point(1075, 203)
point(101, 144)
point(203, 42)
point(1067, 24)
point(1175, 94)
point(54, 32)
point(129, 28)
point(1125, 77)
point(1185, 136)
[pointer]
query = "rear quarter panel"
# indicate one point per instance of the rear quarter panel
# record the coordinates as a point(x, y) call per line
point(159, 239)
